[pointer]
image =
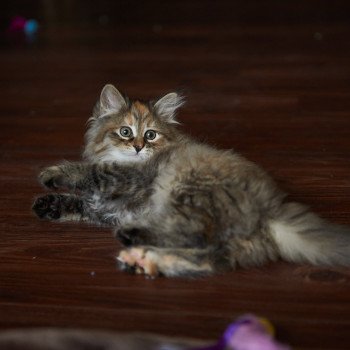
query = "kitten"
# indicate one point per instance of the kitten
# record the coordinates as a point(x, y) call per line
point(180, 207)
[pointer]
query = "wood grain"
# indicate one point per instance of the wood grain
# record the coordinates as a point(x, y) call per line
point(271, 81)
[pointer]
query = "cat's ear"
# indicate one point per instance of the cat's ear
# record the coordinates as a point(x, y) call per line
point(111, 100)
point(167, 106)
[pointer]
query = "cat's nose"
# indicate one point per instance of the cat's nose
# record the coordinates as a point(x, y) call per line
point(138, 148)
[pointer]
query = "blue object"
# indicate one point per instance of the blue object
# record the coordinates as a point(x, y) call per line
point(31, 27)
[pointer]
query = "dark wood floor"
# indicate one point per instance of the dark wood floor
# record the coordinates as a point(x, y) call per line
point(271, 81)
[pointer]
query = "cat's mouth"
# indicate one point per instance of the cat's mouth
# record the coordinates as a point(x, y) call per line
point(141, 156)
point(117, 155)
point(137, 156)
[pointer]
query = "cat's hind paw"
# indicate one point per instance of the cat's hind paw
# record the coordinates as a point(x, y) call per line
point(47, 207)
point(139, 261)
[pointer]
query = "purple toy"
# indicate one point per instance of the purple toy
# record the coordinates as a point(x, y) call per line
point(248, 333)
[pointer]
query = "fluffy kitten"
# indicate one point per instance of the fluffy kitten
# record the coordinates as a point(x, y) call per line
point(181, 207)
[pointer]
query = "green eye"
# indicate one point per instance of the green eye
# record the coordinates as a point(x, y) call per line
point(125, 131)
point(150, 135)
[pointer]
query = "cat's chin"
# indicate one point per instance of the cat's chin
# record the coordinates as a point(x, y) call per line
point(120, 157)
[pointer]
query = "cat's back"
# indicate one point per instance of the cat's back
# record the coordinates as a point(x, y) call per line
point(192, 167)
point(202, 161)
point(192, 162)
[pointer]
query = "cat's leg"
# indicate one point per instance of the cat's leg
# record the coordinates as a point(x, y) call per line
point(184, 236)
point(176, 225)
point(191, 262)
point(183, 228)
point(170, 262)
point(192, 216)
point(109, 178)
point(62, 207)
point(66, 175)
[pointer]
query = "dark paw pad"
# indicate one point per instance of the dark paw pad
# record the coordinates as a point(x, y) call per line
point(47, 207)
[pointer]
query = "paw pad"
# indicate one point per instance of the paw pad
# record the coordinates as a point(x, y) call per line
point(47, 207)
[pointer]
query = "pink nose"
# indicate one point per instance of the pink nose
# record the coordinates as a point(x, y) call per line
point(138, 148)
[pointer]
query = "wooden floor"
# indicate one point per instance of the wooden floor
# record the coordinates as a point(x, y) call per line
point(270, 79)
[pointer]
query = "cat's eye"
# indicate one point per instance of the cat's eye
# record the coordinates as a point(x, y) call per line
point(150, 135)
point(125, 131)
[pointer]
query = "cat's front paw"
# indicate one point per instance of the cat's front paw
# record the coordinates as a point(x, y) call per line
point(48, 207)
point(138, 260)
point(53, 178)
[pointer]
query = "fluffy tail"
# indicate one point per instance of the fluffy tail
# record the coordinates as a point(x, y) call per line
point(301, 236)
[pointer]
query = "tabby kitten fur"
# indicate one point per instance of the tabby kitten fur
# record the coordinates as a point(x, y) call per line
point(181, 208)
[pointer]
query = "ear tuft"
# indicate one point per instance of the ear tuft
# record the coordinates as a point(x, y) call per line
point(111, 100)
point(167, 106)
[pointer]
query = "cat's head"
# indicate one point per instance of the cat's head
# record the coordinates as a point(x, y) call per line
point(128, 131)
